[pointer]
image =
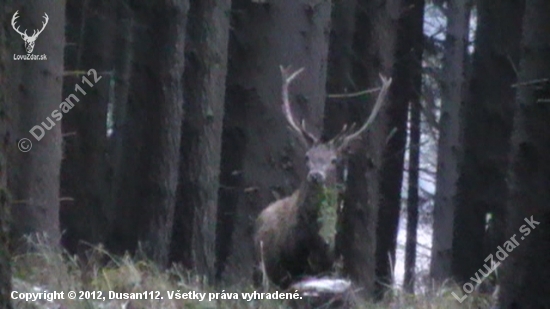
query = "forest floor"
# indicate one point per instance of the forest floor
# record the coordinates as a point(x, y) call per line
point(48, 270)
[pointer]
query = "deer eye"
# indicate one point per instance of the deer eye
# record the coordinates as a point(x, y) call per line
point(306, 158)
point(334, 161)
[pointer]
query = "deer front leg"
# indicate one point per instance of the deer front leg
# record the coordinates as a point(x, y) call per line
point(320, 257)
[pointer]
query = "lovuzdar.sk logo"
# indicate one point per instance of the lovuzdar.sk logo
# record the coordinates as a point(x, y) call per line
point(29, 39)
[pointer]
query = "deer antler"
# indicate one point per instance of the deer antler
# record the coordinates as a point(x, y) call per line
point(344, 139)
point(307, 138)
point(34, 33)
point(44, 23)
point(15, 16)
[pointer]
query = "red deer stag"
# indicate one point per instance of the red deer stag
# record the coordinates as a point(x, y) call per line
point(287, 238)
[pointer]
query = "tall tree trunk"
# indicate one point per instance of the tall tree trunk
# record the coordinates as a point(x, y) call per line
point(340, 78)
point(7, 39)
point(204, 85)
point(146, 193)
point(412, 48)
point(449, 152)
point(357, 68)
point(34, 177)
point(487, 126)
point(526, 276)
point(5, 254)
point(412, 195)
point(84, 169)
point(5, 213)
point(122, 64)
point(405, 88)
point(74, 10)
point(267, 35)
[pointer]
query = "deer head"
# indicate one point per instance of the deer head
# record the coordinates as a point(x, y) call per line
point(325, 159)
point(29, 40)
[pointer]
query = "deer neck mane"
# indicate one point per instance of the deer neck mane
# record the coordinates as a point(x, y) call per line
point(317, 209)
point(310, 197)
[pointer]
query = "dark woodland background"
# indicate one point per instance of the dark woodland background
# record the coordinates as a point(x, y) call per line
point(182, 142)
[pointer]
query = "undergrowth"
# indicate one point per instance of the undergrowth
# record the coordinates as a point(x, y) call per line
point(48, 269)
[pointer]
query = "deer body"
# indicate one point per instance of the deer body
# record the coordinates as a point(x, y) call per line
point(287, 237)
point(288, 231)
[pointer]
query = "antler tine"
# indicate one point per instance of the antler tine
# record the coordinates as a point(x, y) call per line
point(305, 136)
point(386, 82)
point(337, 139)
point(44, 23)
point(16, 16)
point(310, 136)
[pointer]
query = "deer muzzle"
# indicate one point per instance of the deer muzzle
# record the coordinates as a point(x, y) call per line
point(316, 177)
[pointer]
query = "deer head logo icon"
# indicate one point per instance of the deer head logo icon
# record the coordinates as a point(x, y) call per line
point(29, 40)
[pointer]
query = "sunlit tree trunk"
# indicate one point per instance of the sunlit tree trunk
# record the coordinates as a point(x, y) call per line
point(449, 151)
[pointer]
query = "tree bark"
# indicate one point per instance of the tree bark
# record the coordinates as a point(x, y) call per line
point(146, 193)
point(200, 151)
point(6, 108)
point(7, 39)
point(74, 12)
point(267, 35)
point(412, 196)
point(340, 81)
point(412, 49)
point(340, 68)
point(487, 127)
point(526, 276)
point(122, 64)
point(449, 151)
point(356, 69)
point(5, 254)
point(405, 89)
point(34, 175)
point(84, 170)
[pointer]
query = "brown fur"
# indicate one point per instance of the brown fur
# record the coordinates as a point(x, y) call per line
point(292, 246)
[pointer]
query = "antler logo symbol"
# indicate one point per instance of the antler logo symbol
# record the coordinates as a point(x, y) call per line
point(29, 40)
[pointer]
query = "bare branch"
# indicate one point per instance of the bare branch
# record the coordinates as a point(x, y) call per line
point(353, 94)
point(68, 134)
point(531, 82)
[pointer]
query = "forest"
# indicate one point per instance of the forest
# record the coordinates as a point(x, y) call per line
point(274, 154)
